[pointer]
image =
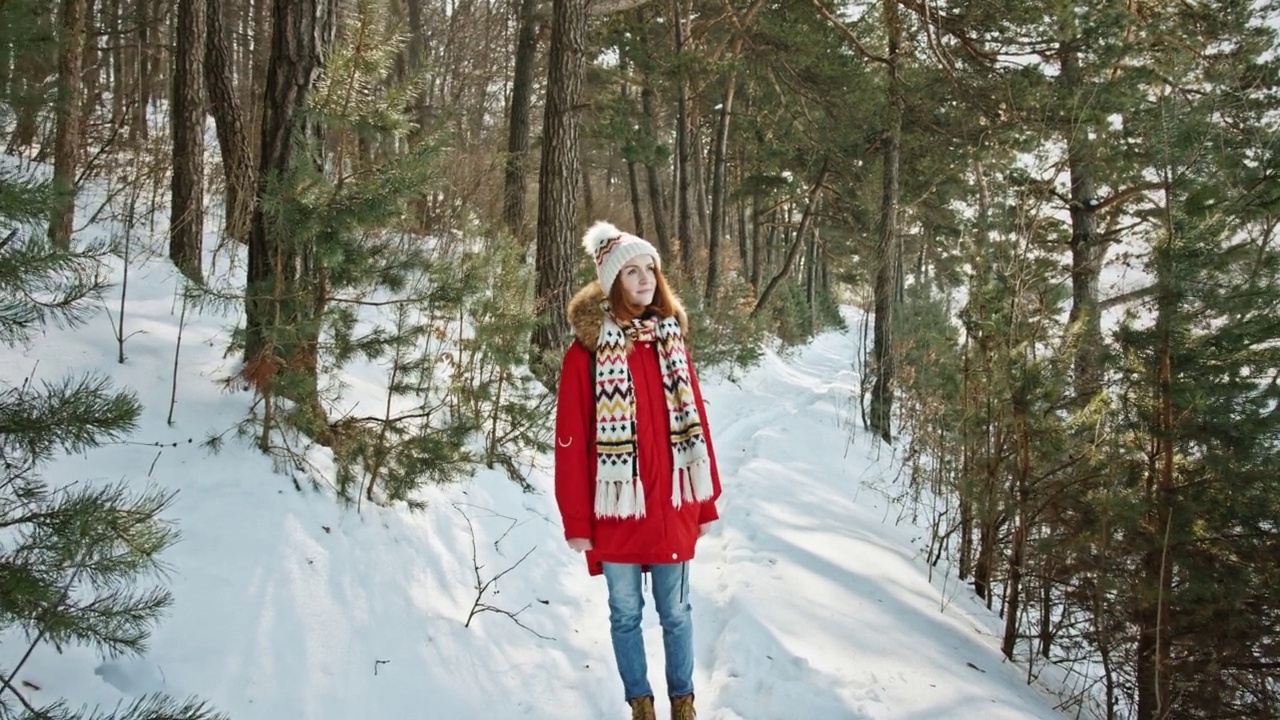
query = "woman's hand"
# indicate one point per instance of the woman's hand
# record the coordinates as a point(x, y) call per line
point(580, 544)
point(704, 528)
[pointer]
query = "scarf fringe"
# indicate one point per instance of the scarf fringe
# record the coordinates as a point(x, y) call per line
point(691, 483)
point(619, 498)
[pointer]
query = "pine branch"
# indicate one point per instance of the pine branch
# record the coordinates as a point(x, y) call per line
point(66, 590)
point(149, 707)
point(71, 415)
point(41, 286)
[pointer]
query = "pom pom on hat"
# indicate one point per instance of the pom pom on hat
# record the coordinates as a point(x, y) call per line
point(611, 248)
point(598, 234)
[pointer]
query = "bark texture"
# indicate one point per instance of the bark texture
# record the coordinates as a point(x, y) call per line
point(515, 170)
point(66, 144)
point(186, 209)
point(229, 118)
point(303, 32)
point(889, 243)
point(558, 174)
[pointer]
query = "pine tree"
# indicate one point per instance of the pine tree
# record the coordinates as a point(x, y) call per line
point(1198, 415)
point(28, 51)
point(442, 314)
point(78, 562)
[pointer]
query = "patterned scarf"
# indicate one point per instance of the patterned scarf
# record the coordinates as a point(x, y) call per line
point(619, 492)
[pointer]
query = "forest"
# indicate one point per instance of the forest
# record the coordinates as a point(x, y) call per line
point(1059, 216)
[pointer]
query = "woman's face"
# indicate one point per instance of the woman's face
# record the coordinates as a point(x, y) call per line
point(639, 278)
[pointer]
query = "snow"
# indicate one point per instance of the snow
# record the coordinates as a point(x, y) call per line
point(811, 597)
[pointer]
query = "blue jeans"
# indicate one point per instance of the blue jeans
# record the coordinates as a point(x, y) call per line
point(670, 585)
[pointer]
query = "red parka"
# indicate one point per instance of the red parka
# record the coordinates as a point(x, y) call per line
point(665, 534)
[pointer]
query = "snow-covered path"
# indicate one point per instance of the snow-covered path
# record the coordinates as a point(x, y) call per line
point(810, 601)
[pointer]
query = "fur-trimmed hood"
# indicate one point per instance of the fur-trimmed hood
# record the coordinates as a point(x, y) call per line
point(586, 315)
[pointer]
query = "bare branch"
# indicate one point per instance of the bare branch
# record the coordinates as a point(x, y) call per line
point(1128, 297)
point(951, 26)
point(795, 243)
point(835, 22)
point(482, 585)
point(608, 7)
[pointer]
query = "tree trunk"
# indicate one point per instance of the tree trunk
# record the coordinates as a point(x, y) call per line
point(741, 213)
point(92, 64)
point(515, 167)
point(989, 442)
point(657, 207)
point(1152, 617)
point(274, 299)
point(232, 14)
point(141, 95)
point(964, 562)
point(66, 148)
point(1112, 690)
point(1155, 585)
point(698, 164)
point(684, 149)
point(811, 278)
point(246, 45)
point(757, 245)
point(974, 428)
point(588, 192)
point(1017, 546)
point(120, 64)
point(964, 559)
point(1045, 622)
point(988, 530)
point(1087, 247)
point(557, 177)
point(889, 245)
point(263, 20)
point(633, 190)
point(228, 116)
point(186, 212)
point(719, 169)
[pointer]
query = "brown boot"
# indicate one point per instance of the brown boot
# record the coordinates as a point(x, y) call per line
point(642, 708)
point(682, 708)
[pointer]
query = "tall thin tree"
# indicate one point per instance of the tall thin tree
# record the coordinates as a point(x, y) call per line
point(515, 164)
point(186, 211)
point(67, 135)
point(1087, 246)
point(889, 241)
point(653, 179)
point(684, 142)
point(229, 119)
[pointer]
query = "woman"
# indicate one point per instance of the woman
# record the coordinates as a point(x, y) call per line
point(636, 478)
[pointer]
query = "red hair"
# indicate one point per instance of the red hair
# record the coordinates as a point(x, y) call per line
point(664, 303)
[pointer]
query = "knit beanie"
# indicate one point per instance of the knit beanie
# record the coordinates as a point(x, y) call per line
point(611, 248)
